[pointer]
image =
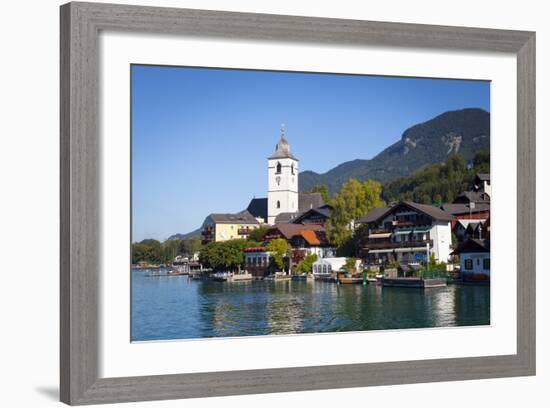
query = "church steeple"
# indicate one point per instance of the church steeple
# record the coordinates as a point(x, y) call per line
point(282, 148)
point(282, 195)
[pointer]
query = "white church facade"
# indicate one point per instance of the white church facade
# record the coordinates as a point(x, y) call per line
point(282, 194)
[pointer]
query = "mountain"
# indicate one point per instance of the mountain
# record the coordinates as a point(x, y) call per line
point(195, 233)
point(464, 131)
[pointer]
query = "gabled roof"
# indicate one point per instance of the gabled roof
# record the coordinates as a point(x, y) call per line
point(323, 211)
point(307, 201)
point(473, 245)
point(429, 210)
point(472, 197)
point(258, 208)
point(286, 217)
point(461, 208)
point(310, 237)
point(243, 217)
point(290, 230)
point(373, 215)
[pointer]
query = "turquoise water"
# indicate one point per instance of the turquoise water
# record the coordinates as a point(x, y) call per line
point(179, 308)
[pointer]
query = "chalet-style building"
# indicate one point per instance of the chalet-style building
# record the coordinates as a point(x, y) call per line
point(465, 229)
point(475, 259)
point(317, 215)
point(310, 238)
point(224, 227)
point(467, 211)
point(406, 233)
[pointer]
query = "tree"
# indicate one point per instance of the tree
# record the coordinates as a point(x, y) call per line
point(307, 264)
point(148, 250)
point(278, 248)
point(354, 200)
point(170, 249)
point(258, 234)
point(225, 255)
point(323, 190)
point(191, 246)
point(350, 264)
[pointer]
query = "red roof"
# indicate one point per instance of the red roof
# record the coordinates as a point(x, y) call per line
point(310, 237)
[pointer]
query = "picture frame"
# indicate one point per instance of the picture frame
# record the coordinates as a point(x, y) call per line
point(81, 24)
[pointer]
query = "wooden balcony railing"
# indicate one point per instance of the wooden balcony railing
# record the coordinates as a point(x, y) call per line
point(372, 244)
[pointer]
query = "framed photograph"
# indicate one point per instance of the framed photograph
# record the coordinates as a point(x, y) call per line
point(261, 203)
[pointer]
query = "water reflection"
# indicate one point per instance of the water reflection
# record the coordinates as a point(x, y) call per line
point(179, 308)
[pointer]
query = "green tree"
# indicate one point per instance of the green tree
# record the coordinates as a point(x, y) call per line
point(354, 200)
point(278, 248)
point(190, 246)
point(258, 234)
point(323, 190)
point(350, 264)
point(307, 264)
point(225, 255)
point(148, 250)
point(170, 249)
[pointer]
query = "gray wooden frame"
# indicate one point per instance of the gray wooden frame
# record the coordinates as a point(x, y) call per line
point(80, 234)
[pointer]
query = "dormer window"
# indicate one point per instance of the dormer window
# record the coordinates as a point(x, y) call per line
point(279, 167)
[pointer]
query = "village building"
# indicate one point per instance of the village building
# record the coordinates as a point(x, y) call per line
point(258, 261)
point(407, 233)
point(325, 267)
point(309, 238)
point(317, 215)
point(482, 183)
point(475, 259)
point(224, 227)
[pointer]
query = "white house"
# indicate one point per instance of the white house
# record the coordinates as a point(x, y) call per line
point(475, 259)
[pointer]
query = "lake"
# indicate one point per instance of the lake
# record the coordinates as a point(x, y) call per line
point(176, 307)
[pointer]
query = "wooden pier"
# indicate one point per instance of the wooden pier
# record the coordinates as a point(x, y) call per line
point(414, 282)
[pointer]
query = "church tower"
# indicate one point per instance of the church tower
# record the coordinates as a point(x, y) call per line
point(282, 195)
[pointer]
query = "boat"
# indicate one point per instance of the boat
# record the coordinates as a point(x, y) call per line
point(350, 280)
point(221, 276)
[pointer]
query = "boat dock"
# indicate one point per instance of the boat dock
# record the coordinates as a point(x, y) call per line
point(414, 282)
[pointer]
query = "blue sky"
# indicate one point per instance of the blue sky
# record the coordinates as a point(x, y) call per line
point(201, 137)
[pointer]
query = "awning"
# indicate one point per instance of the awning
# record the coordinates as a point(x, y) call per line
point(380, 235)
point(422, 230)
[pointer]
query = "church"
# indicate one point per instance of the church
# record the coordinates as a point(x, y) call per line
point(284, 202)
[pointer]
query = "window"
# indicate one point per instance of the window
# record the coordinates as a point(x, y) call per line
point(292, 168)
point(278, 168)
point(278, 204)
point(468, 264)
point(487, 264)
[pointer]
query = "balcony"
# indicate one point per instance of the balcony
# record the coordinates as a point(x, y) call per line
point(409, 223)
point(244, 231)
point(372, 244)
